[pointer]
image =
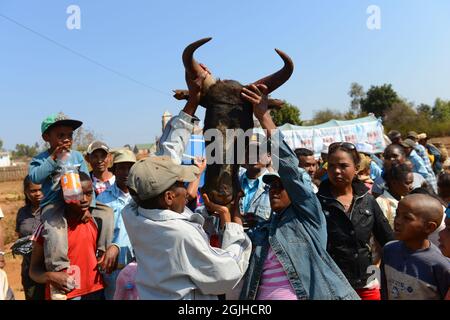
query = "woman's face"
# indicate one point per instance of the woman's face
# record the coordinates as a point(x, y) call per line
point(402, 187)
point(341, 168)
point(34, 193)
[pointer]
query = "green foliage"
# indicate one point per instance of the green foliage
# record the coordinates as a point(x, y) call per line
point(325, 116)
point(404, 118)
point(379, 99)
point(441, 110)
point(358, 95)
point(23, 150)
point(1, 144)
point(288, 113)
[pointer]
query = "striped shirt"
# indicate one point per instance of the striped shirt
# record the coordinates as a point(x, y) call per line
point(274, 283)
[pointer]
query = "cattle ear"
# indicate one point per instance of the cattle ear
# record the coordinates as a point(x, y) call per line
point(180, 94)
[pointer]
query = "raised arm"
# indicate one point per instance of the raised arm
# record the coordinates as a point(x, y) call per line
point(178, 131)
point(295, 180)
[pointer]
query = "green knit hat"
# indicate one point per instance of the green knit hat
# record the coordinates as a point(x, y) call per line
point(59, 119)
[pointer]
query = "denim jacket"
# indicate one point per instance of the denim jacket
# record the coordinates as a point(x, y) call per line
point(298, 236)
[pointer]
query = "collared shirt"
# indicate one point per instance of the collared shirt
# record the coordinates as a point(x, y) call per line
point(420, 167)
point(101, 186)
point(175, 260)
point(117, 200)
point(388, 205)
point(250, 188)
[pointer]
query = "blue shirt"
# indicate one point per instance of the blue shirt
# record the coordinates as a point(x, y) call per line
point(117, 200)
point(421, 168)
point(375, 170)
point(250, 187)
point(414, 275)
point(45, 171)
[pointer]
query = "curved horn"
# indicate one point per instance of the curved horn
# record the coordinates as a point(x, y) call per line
point(277, 79)
point(192, 67)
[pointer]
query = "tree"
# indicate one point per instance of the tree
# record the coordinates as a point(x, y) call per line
point(82, 138)
point(358, 95)
point(288, 113)
point(402, 117)
point(424, 110)
point(326, 115)
point(1, 144)
point(23, 150)
point(441, 110)
point(379, 100)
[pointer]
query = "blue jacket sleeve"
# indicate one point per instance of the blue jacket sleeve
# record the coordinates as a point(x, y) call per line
point(296, 181)
point(41, 168)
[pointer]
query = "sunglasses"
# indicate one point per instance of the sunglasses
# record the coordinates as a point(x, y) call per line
point(347, 145)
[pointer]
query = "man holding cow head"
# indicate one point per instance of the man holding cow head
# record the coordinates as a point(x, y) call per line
point(158, 222)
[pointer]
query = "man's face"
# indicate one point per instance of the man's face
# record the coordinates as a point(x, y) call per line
point(58, 136)
point(279, 198)
point(393, 156)
point(255, 162)
point(176, 197)
point(99, 160)
point(121, 171)
point(85, 203)
point(408, 226)
point(309, 164)
point(444, 239)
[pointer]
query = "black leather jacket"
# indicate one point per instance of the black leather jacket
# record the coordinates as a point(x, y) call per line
point(349, 236)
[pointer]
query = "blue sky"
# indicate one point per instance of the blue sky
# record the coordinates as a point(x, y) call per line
point(328, 40)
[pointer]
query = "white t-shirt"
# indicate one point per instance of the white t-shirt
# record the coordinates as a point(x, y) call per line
point(1, 213)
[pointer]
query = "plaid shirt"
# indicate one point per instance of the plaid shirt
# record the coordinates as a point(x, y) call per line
point(102, 186)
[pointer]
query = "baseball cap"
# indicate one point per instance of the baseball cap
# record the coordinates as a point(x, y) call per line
point(408, 143)
point(152, 176)
point(97, 145)
point(59, 119)
point(124, 155)
point(412, 134)
point(270, 177)
point(394, 134)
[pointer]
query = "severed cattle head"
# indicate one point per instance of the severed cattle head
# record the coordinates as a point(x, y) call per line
point(225, 109)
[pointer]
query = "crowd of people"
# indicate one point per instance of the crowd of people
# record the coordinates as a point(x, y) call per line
point(351, 225)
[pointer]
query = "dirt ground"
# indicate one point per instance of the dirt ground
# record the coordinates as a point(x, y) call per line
point(11, 200)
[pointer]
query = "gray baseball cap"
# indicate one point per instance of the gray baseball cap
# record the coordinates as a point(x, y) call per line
point(152, 176)
point(270, 177)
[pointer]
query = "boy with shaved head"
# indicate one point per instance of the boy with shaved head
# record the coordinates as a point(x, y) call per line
point(413, 268)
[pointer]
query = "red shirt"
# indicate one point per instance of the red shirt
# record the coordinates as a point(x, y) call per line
point(82, 239)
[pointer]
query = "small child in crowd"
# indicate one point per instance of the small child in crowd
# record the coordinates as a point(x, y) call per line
point(45, 169)
point(412, 267)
